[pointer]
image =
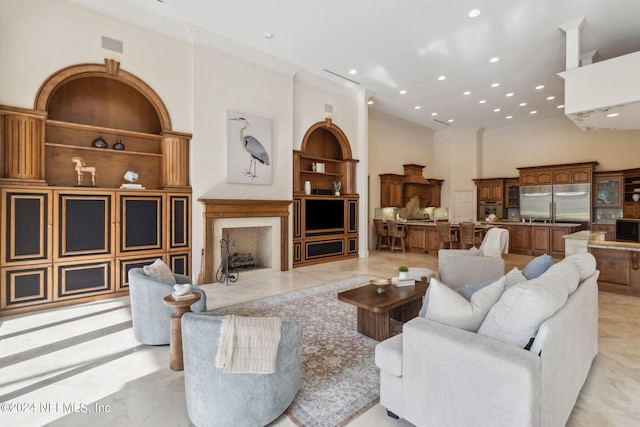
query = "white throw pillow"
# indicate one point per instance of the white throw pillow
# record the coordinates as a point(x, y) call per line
point(516, 317)
point(513, 277)
point(450, 308)
point(159, 271)
point(585, 262)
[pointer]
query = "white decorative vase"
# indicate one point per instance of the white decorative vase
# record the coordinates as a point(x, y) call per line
point(337, 193)
point(402, 275)
point(636, 197)
point(307, 187)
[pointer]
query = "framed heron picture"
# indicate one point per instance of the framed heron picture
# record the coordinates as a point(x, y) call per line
point(248, 149)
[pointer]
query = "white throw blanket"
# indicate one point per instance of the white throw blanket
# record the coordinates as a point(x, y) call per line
point(495, 243)
point(248, 344)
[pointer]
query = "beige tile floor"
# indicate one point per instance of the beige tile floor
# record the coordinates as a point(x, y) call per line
point(80, 365)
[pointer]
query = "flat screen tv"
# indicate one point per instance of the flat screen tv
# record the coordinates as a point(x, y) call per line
point(323, 214)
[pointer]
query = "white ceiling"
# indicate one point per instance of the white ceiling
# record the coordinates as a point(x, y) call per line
point(407, 44)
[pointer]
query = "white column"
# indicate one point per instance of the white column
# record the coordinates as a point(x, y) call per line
point(572, 31)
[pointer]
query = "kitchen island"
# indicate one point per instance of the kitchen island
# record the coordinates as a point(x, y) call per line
point(619, 265)
point(534, 238)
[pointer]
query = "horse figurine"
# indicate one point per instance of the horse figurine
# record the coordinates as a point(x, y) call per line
point(81, 168)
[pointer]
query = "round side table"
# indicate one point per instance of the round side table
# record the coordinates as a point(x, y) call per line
point(180, 307)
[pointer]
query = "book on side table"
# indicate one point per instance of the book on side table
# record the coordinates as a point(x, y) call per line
point(402, 282)
point(187, 295)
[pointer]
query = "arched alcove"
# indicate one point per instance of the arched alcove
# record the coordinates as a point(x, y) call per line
point(103, 95)
point(326, 140)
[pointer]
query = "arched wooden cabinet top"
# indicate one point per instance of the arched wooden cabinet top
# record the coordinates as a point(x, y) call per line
point(80, 104)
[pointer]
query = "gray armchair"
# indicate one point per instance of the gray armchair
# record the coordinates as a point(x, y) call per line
point(149, 313)
point(215, 398)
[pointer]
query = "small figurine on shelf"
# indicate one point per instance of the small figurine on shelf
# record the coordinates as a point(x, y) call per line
point(118, 145)
point(337, 185)
point(99, 143)
point(81, 168)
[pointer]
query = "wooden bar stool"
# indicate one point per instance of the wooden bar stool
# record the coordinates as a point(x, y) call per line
point(446, 234)
point(396, 232)
point(383, 234)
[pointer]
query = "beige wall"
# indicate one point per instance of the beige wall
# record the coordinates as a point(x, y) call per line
point(556, 142)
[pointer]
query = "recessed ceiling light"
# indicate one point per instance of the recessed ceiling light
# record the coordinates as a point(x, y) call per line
point(533, 112)
point(434, 114)
point(442, 77)
point(495, 84)
point(417, 107)
point(539, 87)
point(370, 102)
point(494, 59)
point(466, 92)
point(509, 94)
point(509, 117)
point(560, 106)
point(474, 12)
point(268, 35)
point(549, 98)
point(613, 115)
point(353, 71)
point(450, 120)
point(496, 110)
point(522, 104)
point(482, 101)
point(402, 92)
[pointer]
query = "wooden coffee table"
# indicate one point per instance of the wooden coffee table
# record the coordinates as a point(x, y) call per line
point(375, 310)
point(175, 338)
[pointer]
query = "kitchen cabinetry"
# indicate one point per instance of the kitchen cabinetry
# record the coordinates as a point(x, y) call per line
point(490, 189)
point(63, 243)
point(631, 188)
point(619, 269)
point(519, 238)
point(572, 173)
point(512, 193)
point(391, 190)
point(325, 226)
point(609, 230)
point(608, 196)
point(397, 190)
point(548, 239)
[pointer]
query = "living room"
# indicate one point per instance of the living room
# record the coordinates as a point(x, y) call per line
point(200, 79)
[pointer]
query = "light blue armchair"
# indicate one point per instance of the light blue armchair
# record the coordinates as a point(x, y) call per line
point(149, 313)
point(215, 398)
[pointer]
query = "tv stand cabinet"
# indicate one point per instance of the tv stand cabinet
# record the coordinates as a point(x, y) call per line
point(333, 234)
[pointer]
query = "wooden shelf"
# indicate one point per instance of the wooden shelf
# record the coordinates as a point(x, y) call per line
point(103, 129)
point(101, 150)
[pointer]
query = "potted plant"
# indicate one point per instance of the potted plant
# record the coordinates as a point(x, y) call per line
point(403, 270)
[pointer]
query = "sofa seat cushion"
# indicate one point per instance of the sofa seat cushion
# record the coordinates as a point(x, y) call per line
point(388, 355)
point(447, 306)
point(522, 308)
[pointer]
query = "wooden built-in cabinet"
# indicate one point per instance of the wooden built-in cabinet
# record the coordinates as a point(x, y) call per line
point(549, 240)
point(490, 189)
point(391, 190)
point(572, 173)
point(397, 190)
point(63, 243)
point(619, 270)
point(325, 225)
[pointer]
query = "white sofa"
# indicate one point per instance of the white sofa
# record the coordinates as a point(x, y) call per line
point(438, 375)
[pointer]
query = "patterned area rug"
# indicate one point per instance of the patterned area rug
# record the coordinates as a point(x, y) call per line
point(339, 377)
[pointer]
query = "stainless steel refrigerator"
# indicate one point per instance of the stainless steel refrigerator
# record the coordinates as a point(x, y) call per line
point(556, 203)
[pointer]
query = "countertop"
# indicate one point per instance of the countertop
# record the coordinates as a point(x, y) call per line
point(619, 246)
point(490, 223)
